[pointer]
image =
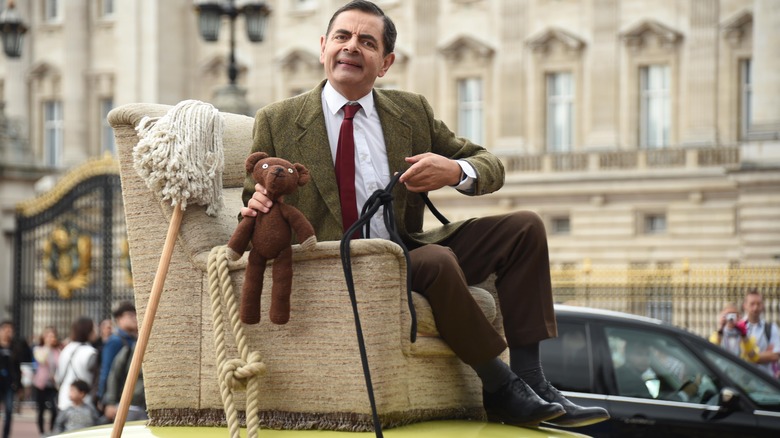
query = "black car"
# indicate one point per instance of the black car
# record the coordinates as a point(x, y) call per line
point(657, 380)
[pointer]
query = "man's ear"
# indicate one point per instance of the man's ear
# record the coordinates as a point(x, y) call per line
point(322, 49)
point(386, 63)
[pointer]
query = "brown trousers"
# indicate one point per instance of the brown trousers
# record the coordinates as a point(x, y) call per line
point(514, 246)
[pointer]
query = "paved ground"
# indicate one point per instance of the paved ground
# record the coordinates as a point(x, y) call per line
point(23, 422)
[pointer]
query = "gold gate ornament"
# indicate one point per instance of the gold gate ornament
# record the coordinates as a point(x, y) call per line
point(67, 258)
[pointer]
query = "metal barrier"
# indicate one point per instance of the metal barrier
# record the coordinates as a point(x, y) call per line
point(688, 297)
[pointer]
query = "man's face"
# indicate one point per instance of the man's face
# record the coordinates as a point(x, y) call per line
point(353, 53)
point(128, 322)
point(7, 331)
point(753, 305)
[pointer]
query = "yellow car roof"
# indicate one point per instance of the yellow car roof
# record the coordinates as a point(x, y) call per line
point(428, 429)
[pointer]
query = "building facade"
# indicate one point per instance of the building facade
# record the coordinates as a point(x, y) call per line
point(645, 133)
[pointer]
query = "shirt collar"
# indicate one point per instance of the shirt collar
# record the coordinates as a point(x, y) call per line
point(334, 100)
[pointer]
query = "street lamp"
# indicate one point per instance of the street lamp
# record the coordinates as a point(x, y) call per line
point(210, 18)
point(12, 29)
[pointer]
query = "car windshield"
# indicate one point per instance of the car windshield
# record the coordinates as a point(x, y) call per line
point(653, 365)
point(762, 394)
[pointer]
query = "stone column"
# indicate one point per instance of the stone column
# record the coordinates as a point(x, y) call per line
point(699, 85)
point(766, 70)
point(422, 78)
point(602, 68)
point(74, 93)
point(511, 126)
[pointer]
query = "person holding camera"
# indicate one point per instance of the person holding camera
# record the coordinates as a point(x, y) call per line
point(732, 335)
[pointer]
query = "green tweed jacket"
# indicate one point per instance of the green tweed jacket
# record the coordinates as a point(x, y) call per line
point(294, 129)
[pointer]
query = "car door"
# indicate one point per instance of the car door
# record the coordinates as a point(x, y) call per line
point(658, 387)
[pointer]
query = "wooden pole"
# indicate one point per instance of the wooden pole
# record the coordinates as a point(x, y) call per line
point(148, 321)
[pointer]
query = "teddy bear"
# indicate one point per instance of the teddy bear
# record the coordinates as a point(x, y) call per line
point(271, 235)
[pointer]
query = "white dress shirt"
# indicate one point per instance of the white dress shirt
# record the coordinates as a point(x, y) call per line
point(371, 165)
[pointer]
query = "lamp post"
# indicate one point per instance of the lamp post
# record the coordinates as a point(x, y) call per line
point(12, 30)
point(232, 98)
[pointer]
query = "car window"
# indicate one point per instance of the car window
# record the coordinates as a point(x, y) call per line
point(745, 378)
point(653, 365)
point(566, 360)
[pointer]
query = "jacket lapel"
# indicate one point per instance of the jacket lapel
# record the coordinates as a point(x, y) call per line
point(398, 142)
point(313, 145)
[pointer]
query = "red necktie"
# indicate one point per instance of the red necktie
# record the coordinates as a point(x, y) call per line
point(345, 167)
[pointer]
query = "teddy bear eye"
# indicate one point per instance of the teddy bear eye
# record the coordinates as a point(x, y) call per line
point(289, 169)
point(265, 166)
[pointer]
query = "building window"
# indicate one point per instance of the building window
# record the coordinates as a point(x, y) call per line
point(470, 122)
point(655, 108)
point(560, 225)
point(654, 223)
point(107, 8)
point(560, 111)
point(51, 10)
point(745, 97)
point(52, 133)
point(106, 131)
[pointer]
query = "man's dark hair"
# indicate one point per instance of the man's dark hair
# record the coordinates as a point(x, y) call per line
point(82, 329)
point(123, 308)
point(6, 322)
point(389, 35)
point(81, 386)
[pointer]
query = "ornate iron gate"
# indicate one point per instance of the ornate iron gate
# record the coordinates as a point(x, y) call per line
point(71, 257)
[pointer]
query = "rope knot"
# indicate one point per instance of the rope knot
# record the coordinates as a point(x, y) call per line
point(237, 372)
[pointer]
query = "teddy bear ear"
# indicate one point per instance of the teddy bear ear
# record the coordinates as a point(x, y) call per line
point(303, 174)
point(253, 159)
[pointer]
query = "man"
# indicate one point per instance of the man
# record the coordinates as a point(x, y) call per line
point(126, 334)
point(13, 352)
point(393, 131)
point(630, 375)
point(765, 333)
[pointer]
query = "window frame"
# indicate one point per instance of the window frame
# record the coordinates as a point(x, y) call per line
point(559, 104)
point(652, 99)
point(53, 135)
point(470, 92)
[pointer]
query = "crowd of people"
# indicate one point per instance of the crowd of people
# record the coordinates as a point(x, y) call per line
point(77, 381)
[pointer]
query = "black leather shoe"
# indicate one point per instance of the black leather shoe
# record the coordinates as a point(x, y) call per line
point(516, 404)
point(575, 416)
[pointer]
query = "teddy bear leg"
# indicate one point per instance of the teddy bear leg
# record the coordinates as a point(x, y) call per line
point(252, 289)
point(280, 292)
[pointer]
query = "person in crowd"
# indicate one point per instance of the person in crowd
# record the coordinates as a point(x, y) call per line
point(125, 335)
point(46, 355)
point(13, 352)
point(732, 334)
point(391, 130)
point(78, 361)
point(80, 413)
point(766, 334)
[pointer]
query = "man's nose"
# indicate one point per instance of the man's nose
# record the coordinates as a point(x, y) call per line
point(352, 44)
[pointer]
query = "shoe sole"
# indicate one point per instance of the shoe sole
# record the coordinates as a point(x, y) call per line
point(528, 423)
point(577, 423)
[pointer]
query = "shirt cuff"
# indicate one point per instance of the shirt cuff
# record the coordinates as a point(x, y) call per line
point(469, 177)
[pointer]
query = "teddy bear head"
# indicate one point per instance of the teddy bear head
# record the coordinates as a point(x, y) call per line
point(277, 175)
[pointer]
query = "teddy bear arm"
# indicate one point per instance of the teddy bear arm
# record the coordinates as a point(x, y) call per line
point(298, 222)
point(242, 235)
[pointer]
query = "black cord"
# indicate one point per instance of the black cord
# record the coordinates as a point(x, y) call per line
point(377, 199)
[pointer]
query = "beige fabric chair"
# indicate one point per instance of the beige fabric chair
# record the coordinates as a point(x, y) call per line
point(313, 376)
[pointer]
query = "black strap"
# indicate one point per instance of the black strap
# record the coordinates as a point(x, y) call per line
point(377, 199)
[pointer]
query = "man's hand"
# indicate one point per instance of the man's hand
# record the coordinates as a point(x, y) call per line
point(258, 202)
point(741, 326)
point(110, 412)
point(430, 172)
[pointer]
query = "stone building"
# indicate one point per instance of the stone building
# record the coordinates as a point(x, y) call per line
point(646, 133)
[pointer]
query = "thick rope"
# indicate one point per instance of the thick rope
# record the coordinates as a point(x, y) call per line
point(180, 155)
point(234, 374)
